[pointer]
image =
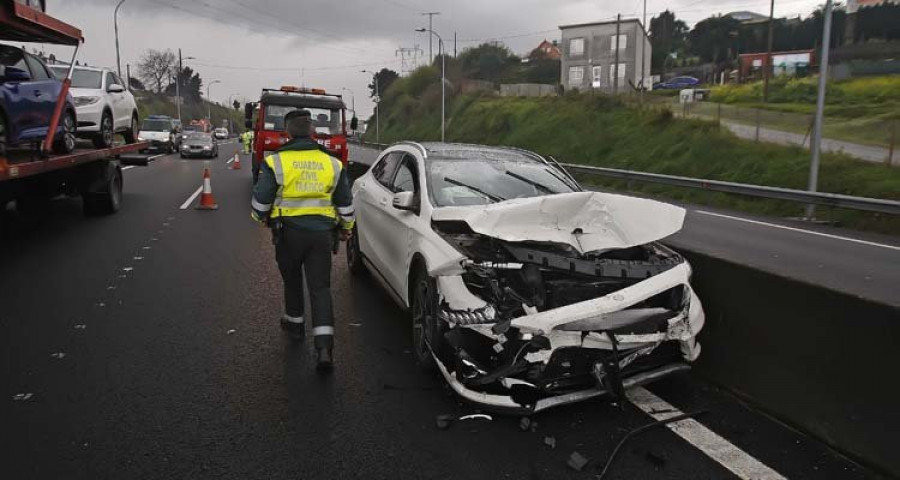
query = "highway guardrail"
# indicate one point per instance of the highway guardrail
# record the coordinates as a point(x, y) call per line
point(836, 200)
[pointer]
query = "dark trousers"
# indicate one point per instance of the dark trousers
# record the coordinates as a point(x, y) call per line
point(309, 251)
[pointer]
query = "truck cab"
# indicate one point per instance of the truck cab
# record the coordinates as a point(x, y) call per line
point(266, 119)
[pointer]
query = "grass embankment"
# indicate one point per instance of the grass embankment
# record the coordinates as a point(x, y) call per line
point(603, 132)
point(153, 104)
point(862, 110)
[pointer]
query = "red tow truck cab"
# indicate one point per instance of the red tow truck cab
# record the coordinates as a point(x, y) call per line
point(266, 119)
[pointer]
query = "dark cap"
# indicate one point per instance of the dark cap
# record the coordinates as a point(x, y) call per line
point(298, 123)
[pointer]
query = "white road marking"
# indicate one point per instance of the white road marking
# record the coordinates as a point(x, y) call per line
point(127, 168)
point(729, 456)
point(187, 203)
point(155, 157)
point(231, 160)
point(800, 230)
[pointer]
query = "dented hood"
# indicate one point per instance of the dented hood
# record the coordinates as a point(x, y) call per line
point(587, 221)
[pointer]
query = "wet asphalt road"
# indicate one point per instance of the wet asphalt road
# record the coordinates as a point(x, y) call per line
point(174, 366)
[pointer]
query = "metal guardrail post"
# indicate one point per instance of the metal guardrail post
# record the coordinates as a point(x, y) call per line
point(890, 157)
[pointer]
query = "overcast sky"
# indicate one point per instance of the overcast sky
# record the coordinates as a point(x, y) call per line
point(251, 44)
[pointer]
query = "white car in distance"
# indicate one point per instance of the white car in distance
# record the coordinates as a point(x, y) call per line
point(103, 105)
point(525, 291)
point(221, 133)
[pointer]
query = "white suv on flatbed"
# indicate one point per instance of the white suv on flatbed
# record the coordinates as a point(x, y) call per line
point(103, 105)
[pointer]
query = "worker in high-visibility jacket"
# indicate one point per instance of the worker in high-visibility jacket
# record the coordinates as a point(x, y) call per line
point(303, 195)
point(247, 139)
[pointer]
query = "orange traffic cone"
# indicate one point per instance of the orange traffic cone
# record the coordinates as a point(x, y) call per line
point(236, 164)
point(207, 202)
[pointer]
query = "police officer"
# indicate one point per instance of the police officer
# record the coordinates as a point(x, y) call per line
point(304, 195)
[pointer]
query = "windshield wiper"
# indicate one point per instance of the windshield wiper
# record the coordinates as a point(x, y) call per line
point(531, 182)
point(477, 190)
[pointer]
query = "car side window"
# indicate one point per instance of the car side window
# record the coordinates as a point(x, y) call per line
point(109, 80)
point(38, 72)
point(405, 180)
point(383, 171)
point(116, 79)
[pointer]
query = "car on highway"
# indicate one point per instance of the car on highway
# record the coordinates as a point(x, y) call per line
point(525, 290)
point(199, 144)
point(162, 133)
point(221, 133)
point(677, 83)
point(103, 105)
point(28, 95)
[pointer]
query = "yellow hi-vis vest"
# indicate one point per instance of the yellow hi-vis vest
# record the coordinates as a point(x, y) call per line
point(306, 179)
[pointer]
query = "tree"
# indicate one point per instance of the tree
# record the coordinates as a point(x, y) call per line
point(385, 78)
point(155, 67)
point(715, 39)
point(667, 36)
point(135, 84)
point(236, 105)
point(191, 85)
point(541, 68)
point(489, 61)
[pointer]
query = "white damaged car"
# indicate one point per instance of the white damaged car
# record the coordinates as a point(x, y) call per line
point(525, 291)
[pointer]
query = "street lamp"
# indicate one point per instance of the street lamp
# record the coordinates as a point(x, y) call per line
point(116, 26)
point(443, 79)
point(178, 82)
point(377, 103)
point(352, 99)
point(209, 100)
point(230, 105)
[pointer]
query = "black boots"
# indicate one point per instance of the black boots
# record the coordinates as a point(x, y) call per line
point(325, 359)
point(297, 331)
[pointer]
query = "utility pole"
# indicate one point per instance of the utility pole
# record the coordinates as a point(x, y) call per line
point(616, 66)
point(767, 64)
point(443, 53)
point(643, 53)
point(116, 26)
point(209, 101)
point(178, 87)
point(454, 44)
point(820, 108)
point(128, 73)
point(430, 27)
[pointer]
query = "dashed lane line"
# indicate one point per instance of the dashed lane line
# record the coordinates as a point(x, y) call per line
point(187, 203)
point(799, 230)
point(722, 451)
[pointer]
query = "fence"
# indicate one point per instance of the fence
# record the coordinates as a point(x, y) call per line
point(875, 138)
point(527, 90)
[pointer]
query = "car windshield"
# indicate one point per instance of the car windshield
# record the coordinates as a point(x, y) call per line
point(80, 78)
point(483, 177)
point(156, 125)
point(325, 121)
point(199, 138)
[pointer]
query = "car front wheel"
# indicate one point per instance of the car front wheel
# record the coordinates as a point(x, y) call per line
point(65, 141)
point(425, 324)
point(354, 255)
point(104, 138)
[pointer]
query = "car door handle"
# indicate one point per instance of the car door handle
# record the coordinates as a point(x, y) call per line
point(383, 202)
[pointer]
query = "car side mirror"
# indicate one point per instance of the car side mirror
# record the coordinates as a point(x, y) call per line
point(115, 88)
point(404, 201)
point(13, 74)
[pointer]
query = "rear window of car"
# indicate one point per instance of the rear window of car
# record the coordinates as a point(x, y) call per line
point(157, 125)
point(12, 57)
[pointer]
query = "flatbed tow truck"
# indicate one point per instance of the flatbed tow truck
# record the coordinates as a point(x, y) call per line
point(31, 176)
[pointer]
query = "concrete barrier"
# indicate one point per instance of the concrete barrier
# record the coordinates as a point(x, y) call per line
point(819, 360)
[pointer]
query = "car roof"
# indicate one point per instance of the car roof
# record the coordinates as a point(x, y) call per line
point(464, 150)
point(77, 67)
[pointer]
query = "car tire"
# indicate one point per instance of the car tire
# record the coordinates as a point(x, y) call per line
point(104, 138)
point(132, 133)
point(355, 262)
point(107, 201)
point(426, 328)
point(65, 143)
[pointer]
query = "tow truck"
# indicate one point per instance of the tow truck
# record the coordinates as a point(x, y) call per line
point(266, 119)
point(33, 175)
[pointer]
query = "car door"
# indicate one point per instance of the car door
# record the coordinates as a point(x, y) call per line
point(41, 92)
point(116, 99)
point(397, 225)
point(372, 198)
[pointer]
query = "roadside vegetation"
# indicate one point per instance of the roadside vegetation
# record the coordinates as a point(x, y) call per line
point(149, 103)
point(603, 131)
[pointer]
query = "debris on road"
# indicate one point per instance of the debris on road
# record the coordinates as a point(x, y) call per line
point(58, 355)
point(355, 324)
point(80, 326)
point(22, 397)
point(231, 332)
point(550, 441)
point(524, 424)
point(138, 258)
point(127, 269)
point(577, 461)
point(476, 416)
point(444, 421)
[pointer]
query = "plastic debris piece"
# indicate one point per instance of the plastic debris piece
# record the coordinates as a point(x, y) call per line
point(127, 269)
point(577, 461)
point(145, 248)
point(524, 424)
point(22, 397)
point(58, 355)
point(476, 416)
point(111, 287)
point(550, 441)
point(534, 426)
point(231, 332)
point(498, 347)
point(444, 421)
point(101, 304)
point(138, 258)
point(80, 326)
point(355, 324)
